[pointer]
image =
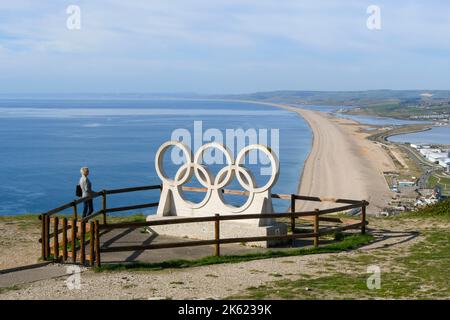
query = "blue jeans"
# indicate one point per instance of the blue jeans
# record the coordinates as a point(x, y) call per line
point(88, 208)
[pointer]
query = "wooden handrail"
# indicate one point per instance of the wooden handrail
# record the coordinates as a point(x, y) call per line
point(111, 226)
point(98, 194)
point(343, 228)
point(275, 195)
point(203, 242)
point(73, 203)
point(281, 196)
point(224, 218)
point(95, 247)
point(118, 209)
point(93, 215)
point(191, 189)
point(340, 209)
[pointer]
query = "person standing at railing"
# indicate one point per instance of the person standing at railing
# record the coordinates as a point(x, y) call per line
point(86, 187)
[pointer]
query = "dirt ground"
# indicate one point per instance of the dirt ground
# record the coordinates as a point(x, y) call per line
point(394, 238)
point(19, 241)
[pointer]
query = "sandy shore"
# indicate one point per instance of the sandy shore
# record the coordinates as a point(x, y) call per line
point(342, 163)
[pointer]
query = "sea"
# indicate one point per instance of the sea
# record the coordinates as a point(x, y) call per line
point(437, 135)
point(45, 141)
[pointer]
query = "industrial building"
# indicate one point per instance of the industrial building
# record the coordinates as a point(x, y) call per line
point(434, 155)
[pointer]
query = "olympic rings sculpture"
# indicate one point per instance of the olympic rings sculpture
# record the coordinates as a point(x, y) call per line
point(213, 184)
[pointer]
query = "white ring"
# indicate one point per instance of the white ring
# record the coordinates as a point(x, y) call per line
point(274, 163)
point(229, 168)
point(160, 168)
point(233, 167)
point(207, 174)
point(251, 194)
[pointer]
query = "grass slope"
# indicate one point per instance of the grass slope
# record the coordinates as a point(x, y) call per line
point(419, 272)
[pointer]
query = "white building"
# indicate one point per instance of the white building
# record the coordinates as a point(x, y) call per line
point(444, 162)
point(437, 156)
point(426, 152)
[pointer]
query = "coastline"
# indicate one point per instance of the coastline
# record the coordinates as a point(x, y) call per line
point(324, 164)
point(333, 139)
point(342, 162)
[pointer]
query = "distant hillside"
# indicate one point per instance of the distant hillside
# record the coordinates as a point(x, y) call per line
point(352, 98)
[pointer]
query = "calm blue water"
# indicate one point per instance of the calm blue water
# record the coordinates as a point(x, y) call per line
point(43, 143)
point(437, 135)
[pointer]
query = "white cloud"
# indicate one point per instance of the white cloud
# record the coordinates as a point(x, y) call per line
point(215, 40)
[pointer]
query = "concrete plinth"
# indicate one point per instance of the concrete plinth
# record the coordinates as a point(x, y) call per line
point(228, 229)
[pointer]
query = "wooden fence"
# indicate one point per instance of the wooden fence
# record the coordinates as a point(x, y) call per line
point(65, 239)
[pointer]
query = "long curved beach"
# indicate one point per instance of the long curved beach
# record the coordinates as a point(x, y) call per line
point(342, 163)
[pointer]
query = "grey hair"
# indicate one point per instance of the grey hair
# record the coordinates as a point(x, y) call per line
point(83, 170)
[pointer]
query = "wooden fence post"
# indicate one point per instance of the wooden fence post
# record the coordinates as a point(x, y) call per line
point(104, 206)
point(74, 238)
point(293, 218)
point(97, 244)
point(75, 211)
point(55, 238)
point(316, 228)
point(91, 243)
point(47, 236)
point(64, 239)
point(217, 234)
point(363, 217)
point(82, 238)
point(43, 255)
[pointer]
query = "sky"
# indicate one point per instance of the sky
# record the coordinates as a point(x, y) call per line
point(222, 46)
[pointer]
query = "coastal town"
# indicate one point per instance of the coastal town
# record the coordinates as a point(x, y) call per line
point(434, 155)
point(425, 190)
point(421, 174)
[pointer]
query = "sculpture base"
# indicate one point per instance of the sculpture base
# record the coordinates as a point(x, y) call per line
point(228, 229)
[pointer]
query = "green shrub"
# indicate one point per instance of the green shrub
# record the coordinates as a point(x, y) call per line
point(440, 209)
